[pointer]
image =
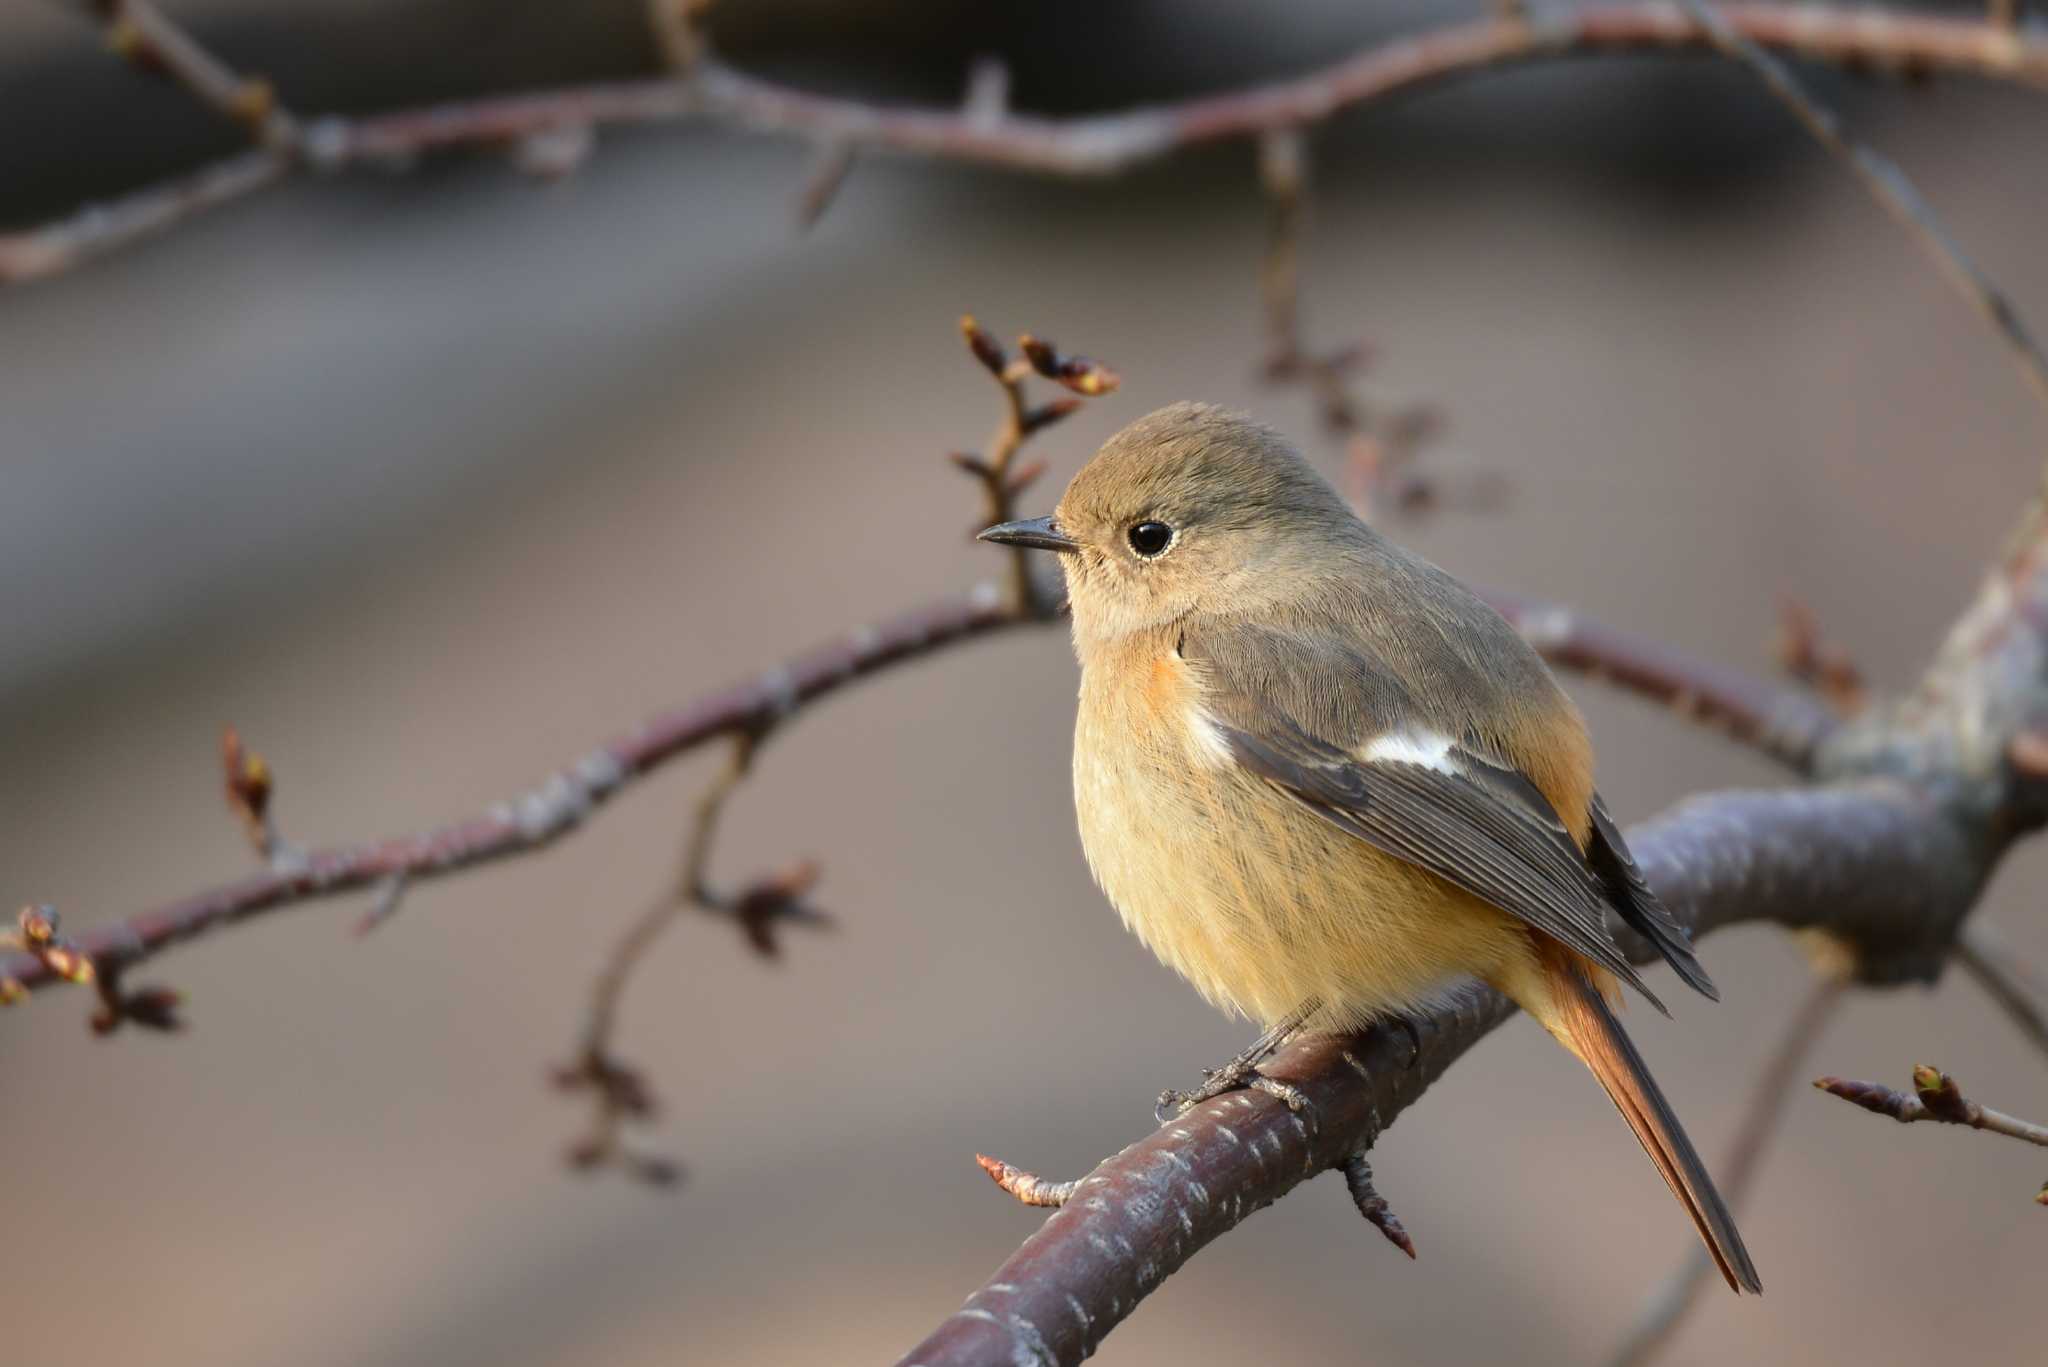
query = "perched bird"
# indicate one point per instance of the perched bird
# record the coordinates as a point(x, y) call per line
point(1326, 784)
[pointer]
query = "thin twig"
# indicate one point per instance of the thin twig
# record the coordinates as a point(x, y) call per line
point(1021, 420)
point(620, 1092)
point(1806, 654)
point(537, 818)
point(2007, 979)
point(1373, 1206)
point(1935, 1096)
point(147, 37)
point(1773, 1088)
point(1029, 1188)
point(1892, 189)
point(1094, 145)
point(1380, 442)
point(678, 28)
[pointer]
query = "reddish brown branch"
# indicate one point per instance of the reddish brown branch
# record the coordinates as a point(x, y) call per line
point(1747, 709)
point(1373, 1206)
point(1784, 723)
point(535, 819)
point(1029, 1188)
point(1102, 144)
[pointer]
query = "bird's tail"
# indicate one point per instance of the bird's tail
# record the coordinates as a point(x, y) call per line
point(1581, 1019)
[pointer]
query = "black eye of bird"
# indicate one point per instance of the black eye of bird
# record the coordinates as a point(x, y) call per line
point(1150, 538)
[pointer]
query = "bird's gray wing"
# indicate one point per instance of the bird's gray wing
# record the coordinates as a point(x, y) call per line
point(1302, 712)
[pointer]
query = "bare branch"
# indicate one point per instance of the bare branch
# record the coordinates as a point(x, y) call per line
point(1373, 1206)
point(1095, 145)
point(1892, 189)
point(1668, 1305)
point(535, 819)
point(1805, 653)
point(2006, 979)
point(1783, 723)
point(1787, 724)
point(147, 38)
point(1028, 1188)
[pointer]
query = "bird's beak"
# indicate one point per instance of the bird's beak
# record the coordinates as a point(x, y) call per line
point(1038, 533)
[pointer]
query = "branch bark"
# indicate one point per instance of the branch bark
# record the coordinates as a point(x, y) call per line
point(1094, 145)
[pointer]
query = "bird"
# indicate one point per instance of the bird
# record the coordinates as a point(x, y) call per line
point(1328, 785)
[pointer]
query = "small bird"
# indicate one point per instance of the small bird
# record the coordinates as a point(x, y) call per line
point(1327, 784)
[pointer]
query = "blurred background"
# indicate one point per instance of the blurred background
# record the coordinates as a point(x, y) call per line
point(427, 482)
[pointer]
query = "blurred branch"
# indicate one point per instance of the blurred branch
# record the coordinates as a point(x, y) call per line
point(1773, 1088)
point(981, 131)
point(1806, 653)
point(2006, 979)
point(1889, 185)
point(1783, 723)
point(144, 35)
point(1382, 443)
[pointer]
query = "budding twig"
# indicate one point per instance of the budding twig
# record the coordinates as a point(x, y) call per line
point(985, 132)
point(1805, 653)
point(621, 1092)
point(1936, 1096)
point(1000, 483)
point(1028, 1188)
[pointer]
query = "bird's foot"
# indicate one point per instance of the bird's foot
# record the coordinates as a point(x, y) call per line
point(1240, 1074)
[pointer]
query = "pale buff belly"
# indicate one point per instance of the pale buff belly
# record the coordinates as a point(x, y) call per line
point(1260, 904)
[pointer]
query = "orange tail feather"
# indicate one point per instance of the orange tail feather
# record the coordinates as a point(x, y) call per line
point(1583, 1022)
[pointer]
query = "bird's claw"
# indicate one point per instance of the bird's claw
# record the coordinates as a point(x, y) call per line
point(1232, 1077)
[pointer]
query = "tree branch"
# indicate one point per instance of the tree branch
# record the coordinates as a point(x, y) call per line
point(533, 820)
point(2006, 979)
point(1890, 187)
point(1785, 723)
point(1095, 145)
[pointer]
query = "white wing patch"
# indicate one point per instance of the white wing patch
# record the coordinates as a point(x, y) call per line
point(1427, 749)
point(1209, 737)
